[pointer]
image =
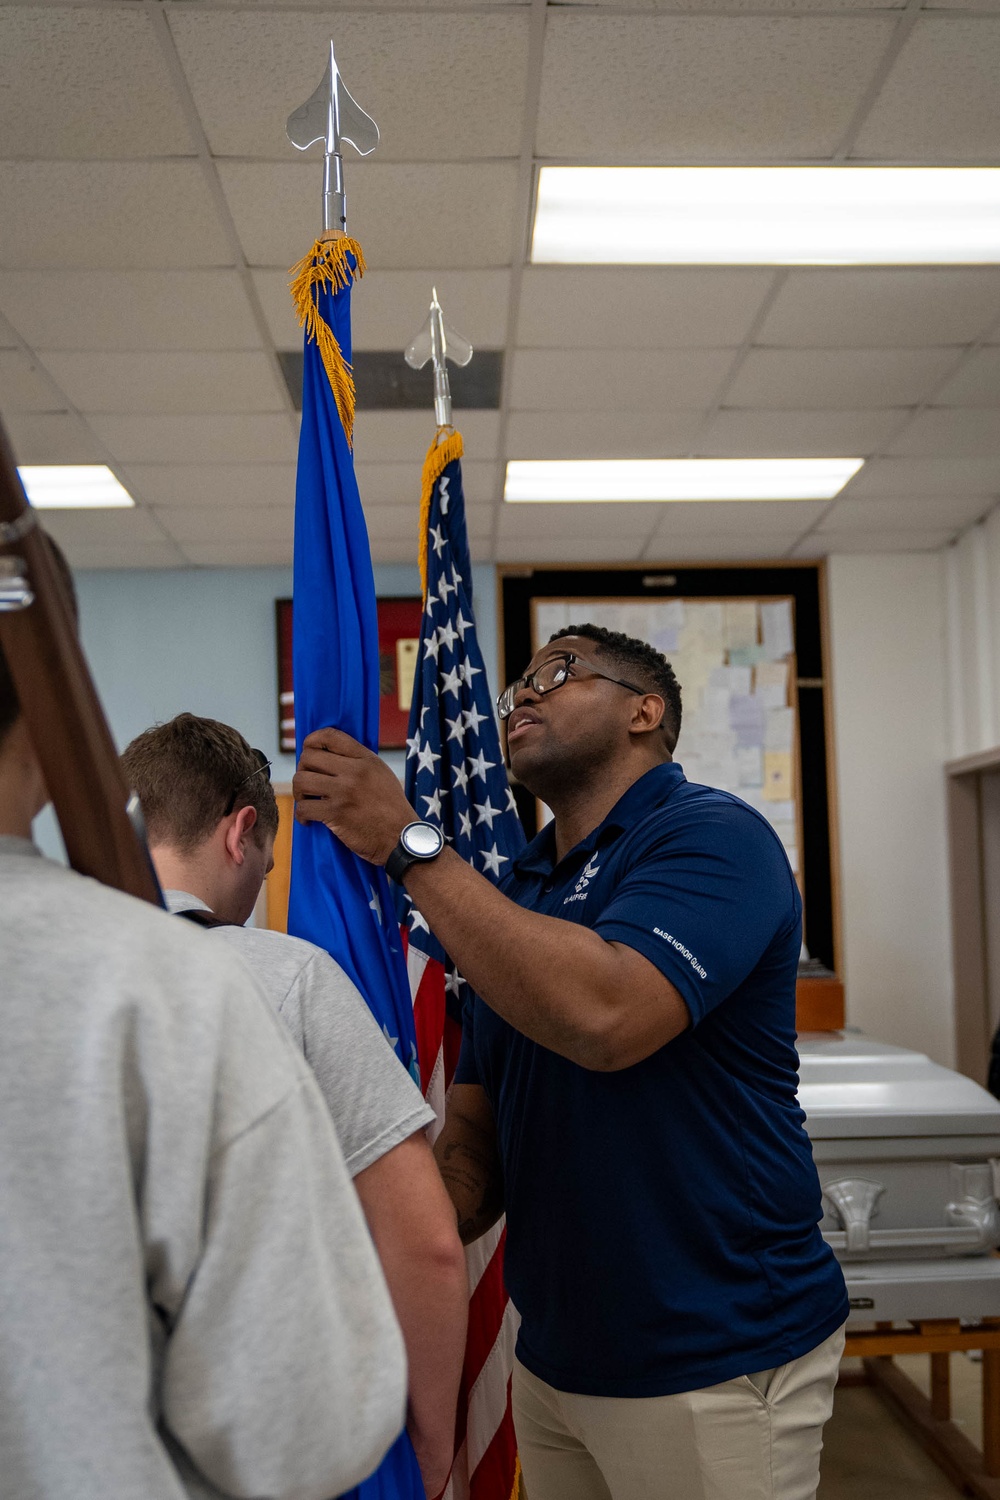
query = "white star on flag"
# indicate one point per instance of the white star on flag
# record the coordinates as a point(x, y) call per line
point(511, 801)
point(413, 745)
point(447, 635)
point(462, 624)
point(473, 719)
point(480, 765)
point(434, 802)
point(417, 921)
point(456, 728)
point(493, 859)
point(451, 682)
point(437, 540)
point(467, 671)
point(426, 758)
point(486, 812)
point(460, 777)
point(432, 646)
point(445, 498)
point(375, 904)
point(392, 1040)
point(453, 981)
point(465, 821)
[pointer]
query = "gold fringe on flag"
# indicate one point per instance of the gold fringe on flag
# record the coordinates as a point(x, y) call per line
point(439, 455)
point(327, 265)
point(517, 1493)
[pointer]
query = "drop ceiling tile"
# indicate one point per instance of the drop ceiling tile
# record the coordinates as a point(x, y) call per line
point(638, 307)
point(129, 310)
point(949, 434)
point(439, 87)
point(824, 544)
point(224, 438)
point(875, 307)
point(726, 518)
point(571, 549)
point(165, 382)
point(437, 215)
point(122, 214)
point(135, 555)
point(99, 527)
point(237, 554)
point(796, 434)
point(53, 438)
point(227, 523)
point(389, 307)
point(611, 380)
point(939, 100)
point(405, 436)
point(23, 386)
point(666, 550)
point(842, 379)
point(977, 383)
point(186, 485)
point(919, 513)
point(792, 6)
point(927, 476)
point(399, 483)
point(625, 434)
point(81, 82)
point(779, 87)
point(567, 520)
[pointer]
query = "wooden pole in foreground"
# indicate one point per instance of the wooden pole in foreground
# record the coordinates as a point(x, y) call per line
point(61, 708)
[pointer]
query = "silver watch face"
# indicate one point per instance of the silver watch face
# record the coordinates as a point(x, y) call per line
point(422, 840)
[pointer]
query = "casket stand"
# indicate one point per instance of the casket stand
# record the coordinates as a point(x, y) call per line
point(908, 1155)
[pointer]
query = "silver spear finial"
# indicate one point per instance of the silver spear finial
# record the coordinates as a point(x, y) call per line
point(437, 341)
point(330, 115)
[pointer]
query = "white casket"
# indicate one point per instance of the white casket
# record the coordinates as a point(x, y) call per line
point(908, 1155)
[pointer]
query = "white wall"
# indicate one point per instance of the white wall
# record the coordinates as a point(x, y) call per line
point(890, 705)
point(972, 577)
point(203, 640)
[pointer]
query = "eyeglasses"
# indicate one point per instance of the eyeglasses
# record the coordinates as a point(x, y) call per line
point(263, 765)
point(552, 674)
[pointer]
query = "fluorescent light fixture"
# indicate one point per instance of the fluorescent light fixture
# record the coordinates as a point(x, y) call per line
point(659, 479)
point(73, 487)
point(785, 216)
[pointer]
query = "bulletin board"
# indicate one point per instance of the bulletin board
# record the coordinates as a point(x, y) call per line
point(735, 661)
point(725, 628)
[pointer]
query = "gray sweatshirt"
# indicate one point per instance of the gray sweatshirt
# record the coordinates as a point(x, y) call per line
point(190, 1304)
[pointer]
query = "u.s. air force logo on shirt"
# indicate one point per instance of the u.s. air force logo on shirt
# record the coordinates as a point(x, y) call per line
point(582, 888)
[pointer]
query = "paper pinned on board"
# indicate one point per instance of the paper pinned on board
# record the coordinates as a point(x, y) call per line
point(740, 624)
point(776, 628)
point(777, 775)
point(779, 730)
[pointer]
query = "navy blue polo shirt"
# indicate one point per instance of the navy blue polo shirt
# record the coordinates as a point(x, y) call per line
point(662, 1221)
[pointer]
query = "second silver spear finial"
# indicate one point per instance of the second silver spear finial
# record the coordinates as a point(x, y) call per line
point(437, 341)
point(330, 115)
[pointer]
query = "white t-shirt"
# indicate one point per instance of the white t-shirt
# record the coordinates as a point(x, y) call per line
point(373, 1100)
point(190, 1302)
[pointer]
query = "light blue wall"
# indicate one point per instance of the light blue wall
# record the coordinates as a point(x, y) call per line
point(200, 639)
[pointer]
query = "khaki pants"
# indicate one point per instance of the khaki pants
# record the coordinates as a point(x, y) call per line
point(754, 1438)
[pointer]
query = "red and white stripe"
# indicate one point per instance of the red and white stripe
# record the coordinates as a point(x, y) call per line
point(486, 1450)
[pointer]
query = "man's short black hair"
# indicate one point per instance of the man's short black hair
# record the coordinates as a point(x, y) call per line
point(10, 706)
point(642, 662)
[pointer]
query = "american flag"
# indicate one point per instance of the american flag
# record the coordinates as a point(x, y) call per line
point(455, 777)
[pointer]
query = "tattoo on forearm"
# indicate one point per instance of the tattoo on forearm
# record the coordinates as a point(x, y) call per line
point(475, 1183)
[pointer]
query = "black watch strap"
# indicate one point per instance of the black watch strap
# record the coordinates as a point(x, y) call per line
point(399, 862)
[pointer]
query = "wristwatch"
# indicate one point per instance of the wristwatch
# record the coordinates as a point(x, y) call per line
point(417, 842)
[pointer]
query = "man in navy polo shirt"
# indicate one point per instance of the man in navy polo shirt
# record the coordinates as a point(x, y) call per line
point(626, 1093)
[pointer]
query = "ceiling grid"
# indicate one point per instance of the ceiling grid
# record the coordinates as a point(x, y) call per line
point(149, 336)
